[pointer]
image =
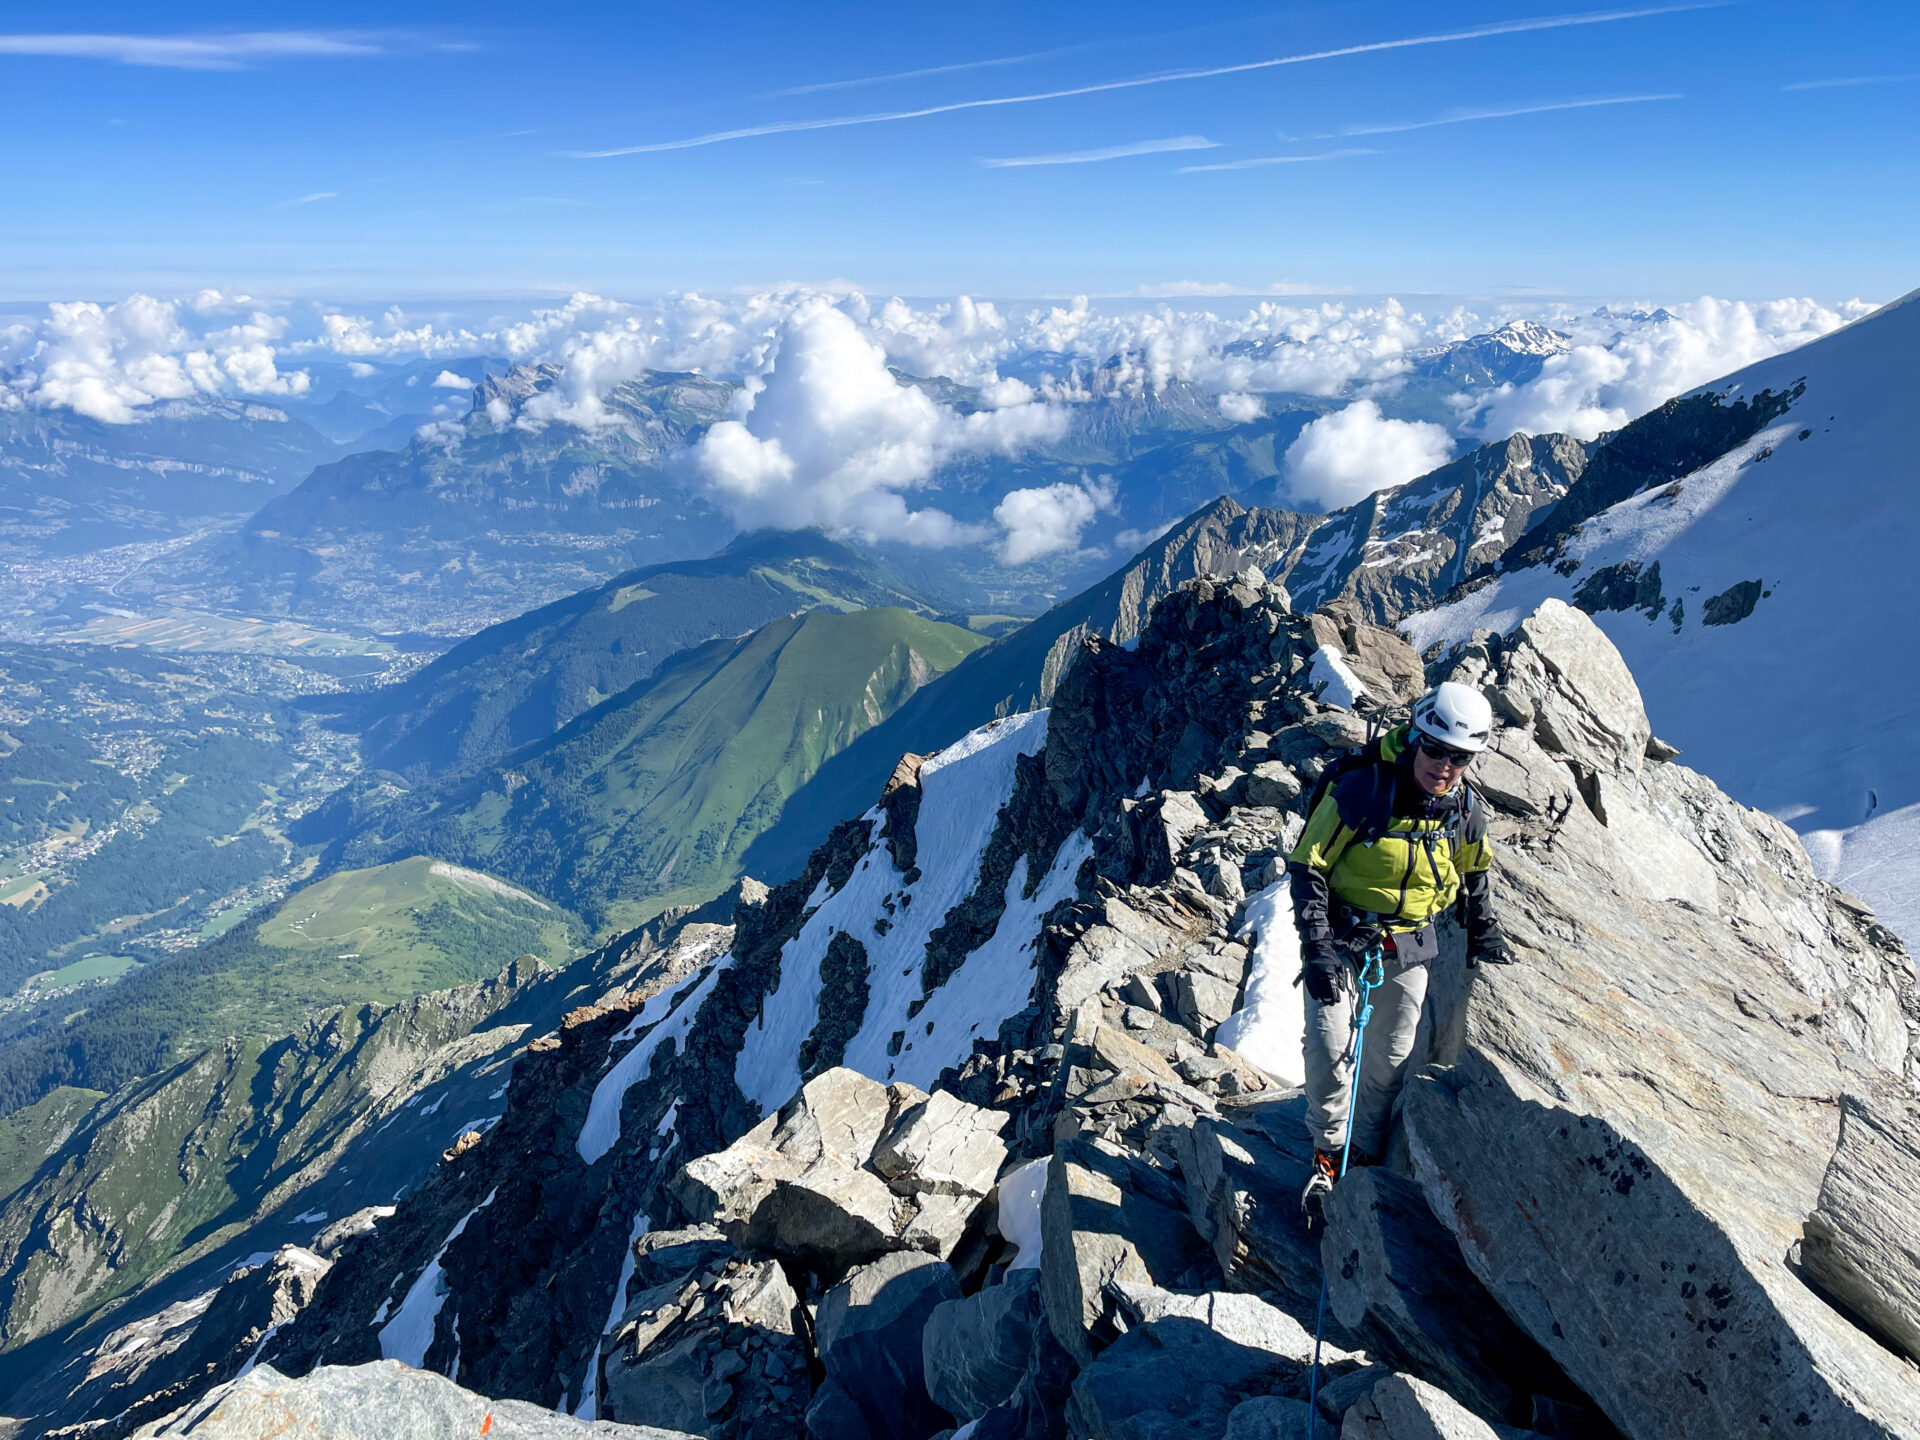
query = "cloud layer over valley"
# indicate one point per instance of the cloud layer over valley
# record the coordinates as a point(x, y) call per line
point(875, 417)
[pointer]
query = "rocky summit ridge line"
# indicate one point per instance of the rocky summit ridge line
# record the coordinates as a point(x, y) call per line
point(941, 1136)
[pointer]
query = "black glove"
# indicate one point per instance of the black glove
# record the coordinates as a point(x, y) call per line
point(1489, 949)
point(1325, 973)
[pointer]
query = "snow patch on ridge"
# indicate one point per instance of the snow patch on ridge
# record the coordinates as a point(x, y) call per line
point(991, 983)
point(408, 1335)
point(600, 1132)
point(962, 789)
point(1338, 685)
point(1270, 1029)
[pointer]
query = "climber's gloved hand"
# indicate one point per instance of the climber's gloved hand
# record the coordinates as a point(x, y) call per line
point(1490, 949)
point(1324, 973)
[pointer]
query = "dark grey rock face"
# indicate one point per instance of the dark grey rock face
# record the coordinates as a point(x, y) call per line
point(1732, 605)
point(1107, 1218)
point(1188, 1365)
point(868, 1332)
point(1863, 1240)
point(1401, 1407)
point(1396, 1281)
point(975, 1350)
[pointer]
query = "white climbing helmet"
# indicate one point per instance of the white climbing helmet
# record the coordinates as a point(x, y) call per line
point(1456, 715)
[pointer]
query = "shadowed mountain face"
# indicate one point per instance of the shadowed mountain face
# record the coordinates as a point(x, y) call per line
point(650, 798)
point(521, 680)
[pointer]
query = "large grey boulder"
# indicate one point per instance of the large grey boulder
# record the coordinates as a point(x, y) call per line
point(1188, 1364)
point(1863, 1240)
point(975, 1350)
point(715, 1351)
point(1644, 1108)
point(1396, 1280)
point(848, 1170)
point(1108, 1217)
point(1565, 677)
point(943, 1146)
point(383, 1400)
point(1270, 1417)
point(1241, 1181)
point(868, 1335)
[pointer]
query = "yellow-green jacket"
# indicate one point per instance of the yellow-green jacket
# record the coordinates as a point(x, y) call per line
point(1377, 851)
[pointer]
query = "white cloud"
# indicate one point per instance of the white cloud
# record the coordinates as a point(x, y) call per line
point(1849, 80)
point(447, 380)
point(1132, 542)
point(1614, 372)
point(1108, 152)
point(1033, 367)
point(1049, 518)
point(108, 362)
point(360, 370)
point(196, 52)
point(1342, 457)
point(356, 335)
point(833, 439)
point(1240, 408)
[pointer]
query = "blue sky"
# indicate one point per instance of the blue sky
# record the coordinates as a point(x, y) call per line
point(1748, 149)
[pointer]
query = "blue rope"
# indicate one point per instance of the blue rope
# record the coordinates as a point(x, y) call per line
point(1372, 973)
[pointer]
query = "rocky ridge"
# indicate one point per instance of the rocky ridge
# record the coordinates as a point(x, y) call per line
point(1402, 548)
point(942, 1132)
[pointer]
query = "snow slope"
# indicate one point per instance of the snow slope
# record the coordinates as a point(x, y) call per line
point(962, 790)
point(1810, 706)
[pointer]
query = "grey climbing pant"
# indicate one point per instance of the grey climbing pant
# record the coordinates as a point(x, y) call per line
point(1383, 1060)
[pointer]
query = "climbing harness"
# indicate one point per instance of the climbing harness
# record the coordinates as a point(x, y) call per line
point(1373, 973)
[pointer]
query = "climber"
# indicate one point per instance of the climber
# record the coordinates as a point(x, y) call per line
point(1397, 836)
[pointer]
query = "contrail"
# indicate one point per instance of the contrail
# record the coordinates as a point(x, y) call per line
point(1479, 32)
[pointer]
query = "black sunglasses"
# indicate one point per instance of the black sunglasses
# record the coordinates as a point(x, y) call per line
point(1451, 756)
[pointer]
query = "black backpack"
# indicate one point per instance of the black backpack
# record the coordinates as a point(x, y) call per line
point(1378, 812)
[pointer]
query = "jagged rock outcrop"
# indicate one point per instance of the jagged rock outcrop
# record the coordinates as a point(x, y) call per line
point(716, 1349)
point(146, 1369)
point(1862, 1242)
point(850, 1171)
point(1034, 1060)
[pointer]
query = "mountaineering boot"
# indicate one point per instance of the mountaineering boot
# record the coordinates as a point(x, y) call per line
point(1319, 1183)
